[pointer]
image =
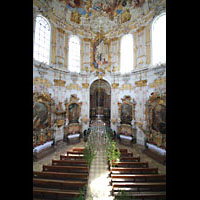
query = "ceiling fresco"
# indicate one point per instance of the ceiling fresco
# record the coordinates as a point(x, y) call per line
point(109, 8)
point(94, 16)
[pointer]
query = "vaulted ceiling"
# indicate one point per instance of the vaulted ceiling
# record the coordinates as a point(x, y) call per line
point(93, 16)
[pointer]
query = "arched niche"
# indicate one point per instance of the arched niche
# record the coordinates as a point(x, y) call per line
point(100, 100)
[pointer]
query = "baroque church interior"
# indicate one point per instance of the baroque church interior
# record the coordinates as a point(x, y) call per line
point(99, 99)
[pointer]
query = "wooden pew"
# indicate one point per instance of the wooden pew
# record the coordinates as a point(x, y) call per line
point(143, 195)
point(44, 193)
point(79, 149)
point(60, 175)
point(74, 153)
point(74, 157)
point(69, 162)
point(58, 184)
point(139, 187)
point(137, 178)
point(124, 170)
point(133, 159)
point(131, 164)
point(76, 169)
point(125, 154)
point(123, 150)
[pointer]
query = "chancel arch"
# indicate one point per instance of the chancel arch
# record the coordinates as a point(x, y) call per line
point(100, 100)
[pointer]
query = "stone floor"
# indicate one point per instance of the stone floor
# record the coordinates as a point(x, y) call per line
point(98, 182)
point(61, 148)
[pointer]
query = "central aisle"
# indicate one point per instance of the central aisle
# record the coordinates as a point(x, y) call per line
point(98, 182)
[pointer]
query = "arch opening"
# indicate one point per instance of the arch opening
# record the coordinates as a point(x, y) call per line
point(100, 101)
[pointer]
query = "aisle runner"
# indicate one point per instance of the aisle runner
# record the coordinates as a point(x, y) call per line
point(98, 183)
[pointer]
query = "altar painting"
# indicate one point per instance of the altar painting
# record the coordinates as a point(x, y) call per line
point(126, 114)
point(40, 116)
point(73, 113)
point(159, 118)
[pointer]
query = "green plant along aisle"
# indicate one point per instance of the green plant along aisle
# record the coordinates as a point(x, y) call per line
point(113, 152)
point(89, 151)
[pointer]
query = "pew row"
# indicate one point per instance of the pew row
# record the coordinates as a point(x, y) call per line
point(122, 170)
point(44, 193)
point(70, 157)
point(129, 159)
point(131, 164)
point(142, 195)
point(137, 178)
point(139, 187)
point(60, 175)
point(76, 169)
point(69, 163)
point(58, 184)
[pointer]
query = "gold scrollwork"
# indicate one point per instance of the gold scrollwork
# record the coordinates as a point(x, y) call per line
point(141, 83)
point(73, 87)
point(126, 87)
point(38, 81)
point(58, 82)
point(85, 85)
point(157, 82)
point(115, 85)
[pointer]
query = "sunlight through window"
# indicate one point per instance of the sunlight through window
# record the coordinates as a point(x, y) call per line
point(42, 40)
point(74, 54)
point(126, 60)
point(159, 40)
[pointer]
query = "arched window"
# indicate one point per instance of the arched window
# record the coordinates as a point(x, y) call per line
point(126, 52)
point(74, 54)
point(42, 40)
point(159, 39)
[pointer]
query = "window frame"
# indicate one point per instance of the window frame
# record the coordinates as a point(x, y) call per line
point(50, 38)
point(151, 34)
point(68, 60)
point(133, 61)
